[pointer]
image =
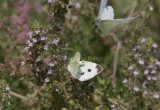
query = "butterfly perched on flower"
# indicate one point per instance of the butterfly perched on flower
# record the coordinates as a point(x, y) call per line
point(83, 70)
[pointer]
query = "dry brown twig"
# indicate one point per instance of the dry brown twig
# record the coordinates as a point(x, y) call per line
point(115, 61)
point(121, 104)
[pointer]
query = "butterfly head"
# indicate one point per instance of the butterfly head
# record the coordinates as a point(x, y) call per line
point(97, 21)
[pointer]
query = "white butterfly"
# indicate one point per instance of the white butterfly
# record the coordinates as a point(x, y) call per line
point(83, 70)
point(105, 20)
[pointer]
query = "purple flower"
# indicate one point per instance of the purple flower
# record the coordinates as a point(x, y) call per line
point(150, 66)
point(30, 53)
point(154, 51)
point(154, 78)
point(113, 106)
point(42, 38)
point(154, 45)
point(30, 44)
point(22, 63)
point(51, 64)
point(151, 8)
point(156, 95)
point(141, 62)
point(45, 47)
point(37, 31)
point(125, 81)
point(157, 62)
point(149, 78)
point(30, 34)
point(9, 96)
point(28, 41)
point(57, 90)
point(46, 80)
point(26, 48)
point(135, 72)
point(9, 103)
point(143, 40)
point(49, 71)
point(55, 42)
point(34, 40)
point(7, 88)
point(78, 5)
point(52, 15)
point(49, 1)
point(135, 55)
point(144, 84)
point(136, 89)
point(153, 71)
point(135, 48)
point(146, 72)
point(145, 92)
point(131, 67)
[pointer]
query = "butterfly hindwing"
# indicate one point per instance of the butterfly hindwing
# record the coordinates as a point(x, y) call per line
point(108, 13)
point(88, 70)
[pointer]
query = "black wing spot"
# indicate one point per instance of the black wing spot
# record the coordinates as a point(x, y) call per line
point(99, 68)
point(82, 73)
point(89, 70)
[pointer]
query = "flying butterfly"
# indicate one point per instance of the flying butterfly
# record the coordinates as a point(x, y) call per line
point(83, 70)
point(105, 20)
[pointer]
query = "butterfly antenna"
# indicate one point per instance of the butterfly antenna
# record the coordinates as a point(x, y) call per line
point(93, 26)
point(97, 28)
point(91, 21)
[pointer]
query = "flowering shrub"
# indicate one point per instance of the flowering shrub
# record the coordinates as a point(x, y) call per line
point(4, 96)
point(141, 72)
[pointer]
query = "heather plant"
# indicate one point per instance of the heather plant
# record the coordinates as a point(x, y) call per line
point(140, 74)
point(38, 38)
point(5, 96)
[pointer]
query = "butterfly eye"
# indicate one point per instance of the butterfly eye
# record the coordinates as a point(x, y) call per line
point(89, 70)
point(82, 73)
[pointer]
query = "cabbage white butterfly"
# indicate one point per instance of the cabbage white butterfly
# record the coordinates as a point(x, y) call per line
point(83, 70)
point(105, 20)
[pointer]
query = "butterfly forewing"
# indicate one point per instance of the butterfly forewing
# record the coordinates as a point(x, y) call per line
point(74, 65)
point(102, 7)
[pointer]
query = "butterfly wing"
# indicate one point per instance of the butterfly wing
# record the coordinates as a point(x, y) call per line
point(108, 13)
point(101, 27)
point(108, 25)
point(102, 7)
point(74, 65)
point(124, 20)
point(88, 70)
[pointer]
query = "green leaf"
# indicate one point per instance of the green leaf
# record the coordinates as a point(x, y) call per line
point(71, 102)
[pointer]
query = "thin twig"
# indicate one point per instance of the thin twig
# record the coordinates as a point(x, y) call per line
point(17, 95)
point(111, 100)
point(115, 64)
point(115, 61)
point(133, 9)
